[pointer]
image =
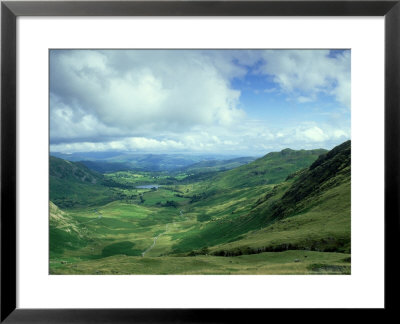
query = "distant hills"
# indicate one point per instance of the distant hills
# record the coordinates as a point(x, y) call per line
point(217, 165)
point(195, 164)
point(120, 161)
point(104, 167)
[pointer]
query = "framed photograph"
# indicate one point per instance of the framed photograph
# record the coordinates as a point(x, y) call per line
point(173, 161)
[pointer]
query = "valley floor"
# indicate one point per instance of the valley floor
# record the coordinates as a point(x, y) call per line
point(146, 238)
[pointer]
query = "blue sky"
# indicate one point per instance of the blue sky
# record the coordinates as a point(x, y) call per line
point(234, 102)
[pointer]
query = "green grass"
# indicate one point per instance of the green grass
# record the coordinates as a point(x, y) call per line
point(73, 194)
point(313, 213)
point(271, 169)
point(161, 196)
point(325, 227)
point(132, 178)
point(60, 240)
point(124, 248)
point(285, 263)
point(64, 232)
point(73, 185)
point(286, 213)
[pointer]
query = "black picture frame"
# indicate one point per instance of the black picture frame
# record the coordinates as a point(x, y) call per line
point(10, 10)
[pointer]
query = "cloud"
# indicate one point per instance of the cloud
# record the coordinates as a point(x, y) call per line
point(315, 134)
point(307, 73)
point(270, 90)
point(251, 137)
point(185, 101)
point(125, 144)
point(138, 92)
point(310, 134)
point(302, 99)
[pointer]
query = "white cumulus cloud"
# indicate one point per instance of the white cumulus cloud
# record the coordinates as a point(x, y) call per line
point(138, 93)
point(186, 101)
point(306, 73)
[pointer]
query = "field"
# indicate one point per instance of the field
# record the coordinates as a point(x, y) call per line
point(285, 213)
point(284, 263)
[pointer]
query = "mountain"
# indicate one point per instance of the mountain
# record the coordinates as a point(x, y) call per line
point(269, 169)
point(123, 161)
point(217, 165)
point(309, 210)
point(72, 184)
point(328, 171)
point(104, 167)
point(74, 171)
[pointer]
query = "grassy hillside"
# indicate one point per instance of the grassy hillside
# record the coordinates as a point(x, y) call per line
point(74, 185)
point(319, 195)
point(74, 171)
point(65, 232)
point(270, 169)
point(225, 202)
point(313, 213)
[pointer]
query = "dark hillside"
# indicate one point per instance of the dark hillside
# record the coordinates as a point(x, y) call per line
point(242, 187)
point(312, 213)
point(74, 185)
point(327, 171)
point(310, 210)
point(75, 171)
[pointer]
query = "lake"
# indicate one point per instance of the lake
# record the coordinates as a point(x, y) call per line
point(148, 186)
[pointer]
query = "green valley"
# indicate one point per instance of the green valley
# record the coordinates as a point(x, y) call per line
point(287, 212)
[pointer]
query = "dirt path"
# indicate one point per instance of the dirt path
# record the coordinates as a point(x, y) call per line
point(151, 246)
point(155, 240)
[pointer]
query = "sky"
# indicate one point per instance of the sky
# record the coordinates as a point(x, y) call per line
point(233, 102)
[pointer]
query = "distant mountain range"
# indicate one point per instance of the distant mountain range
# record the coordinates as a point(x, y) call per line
point(120, 161)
